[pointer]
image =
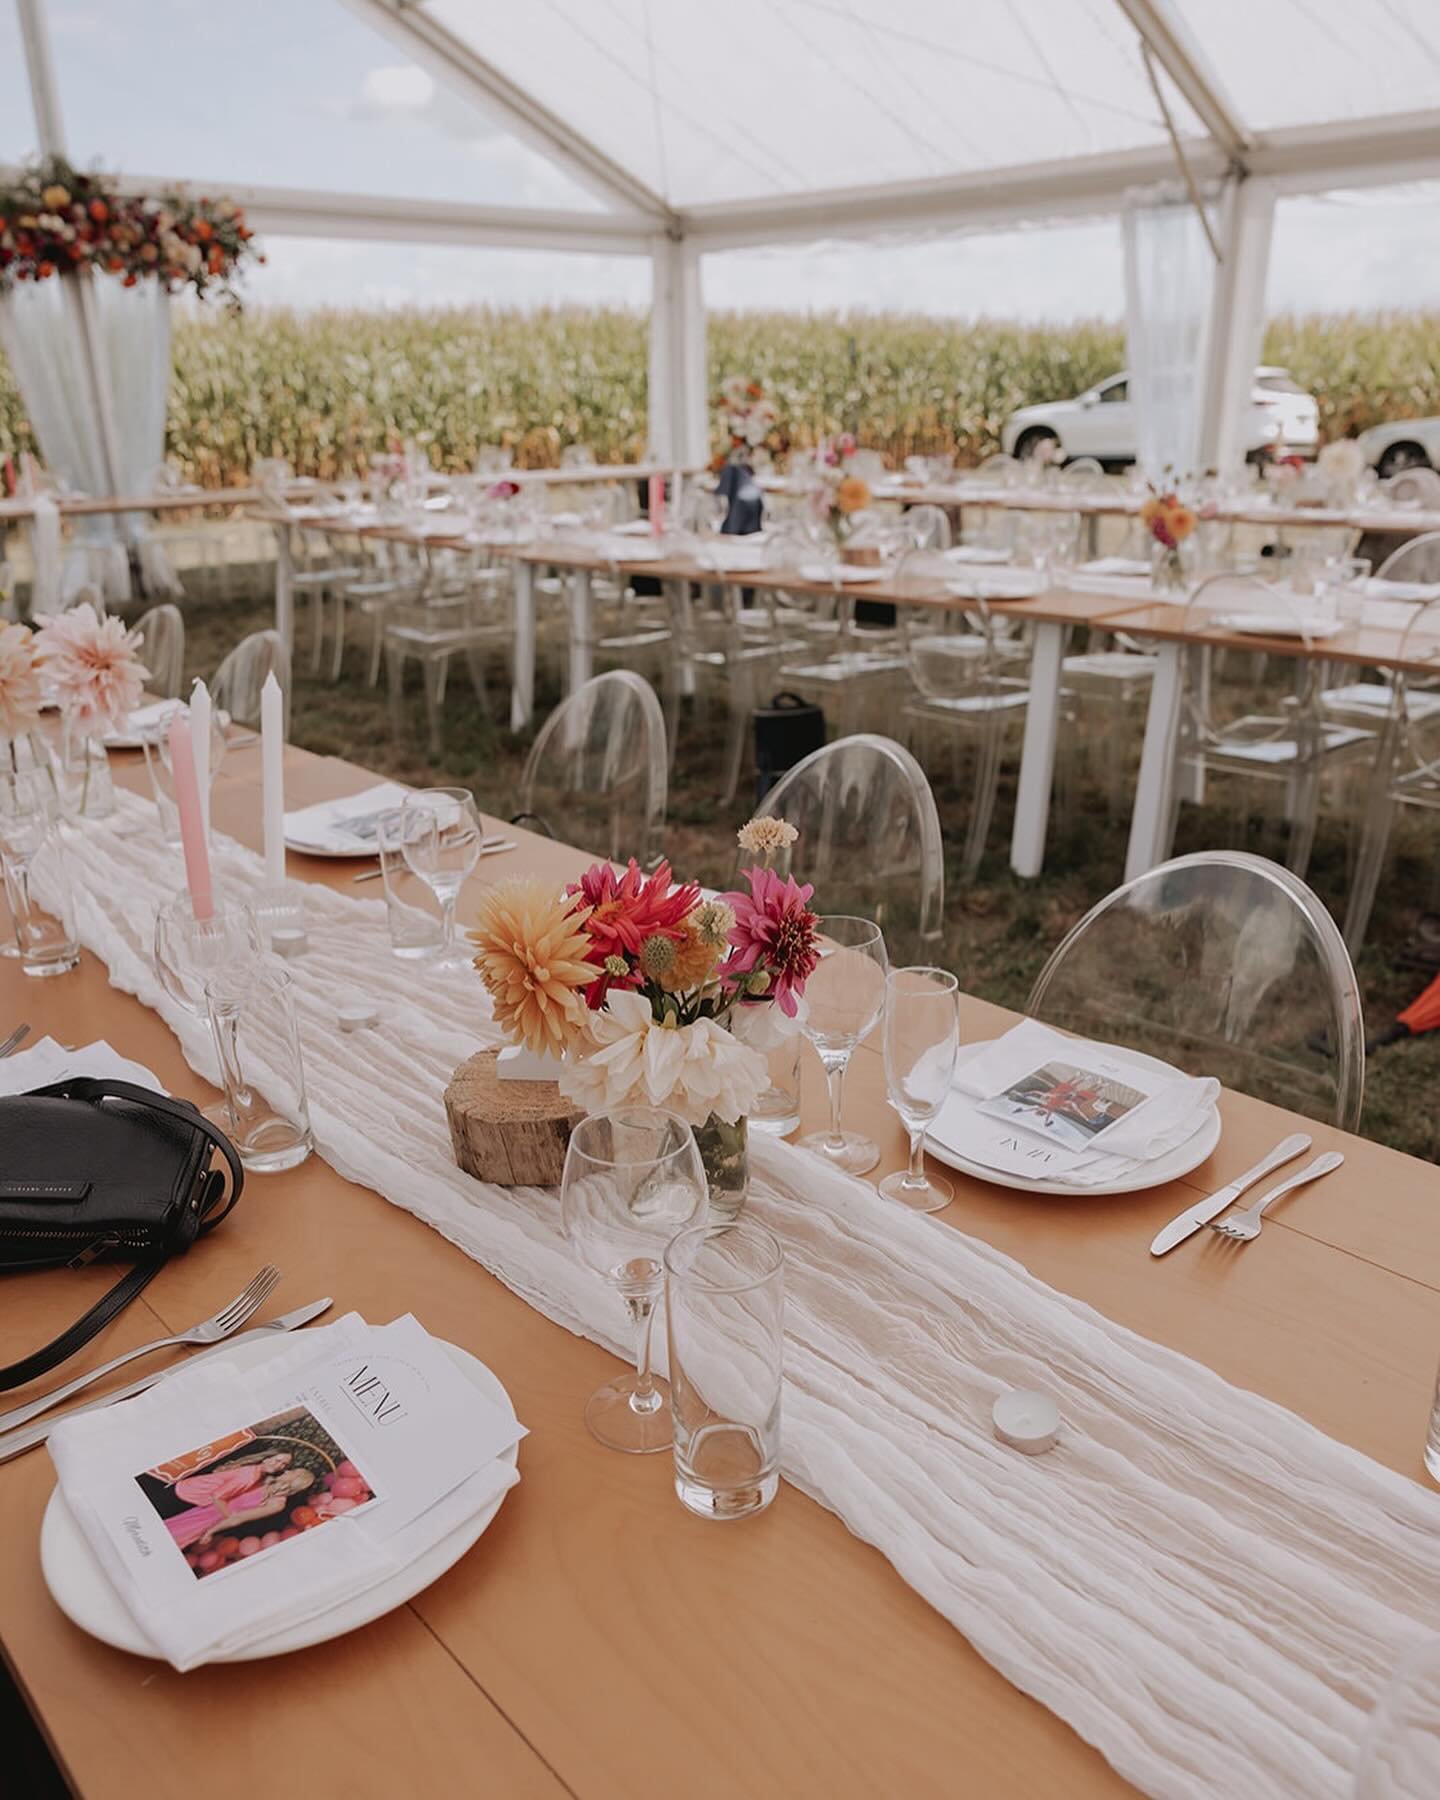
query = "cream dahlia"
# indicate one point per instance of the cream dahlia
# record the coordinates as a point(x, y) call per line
point(19, 683)
point(92, 663)
point(629, 1058)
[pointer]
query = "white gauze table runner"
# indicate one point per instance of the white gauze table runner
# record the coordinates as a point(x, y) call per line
point(1208, 1589)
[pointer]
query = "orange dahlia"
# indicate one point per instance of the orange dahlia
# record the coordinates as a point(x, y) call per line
point(531, 953)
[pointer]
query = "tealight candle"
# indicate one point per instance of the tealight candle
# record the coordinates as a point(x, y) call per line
point(1027, 1421)
point(288, 940)
point(358, 1017)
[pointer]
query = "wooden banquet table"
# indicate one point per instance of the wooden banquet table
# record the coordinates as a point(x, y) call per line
point(598, 1641)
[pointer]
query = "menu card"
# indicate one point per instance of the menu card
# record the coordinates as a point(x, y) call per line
point(233, 1501)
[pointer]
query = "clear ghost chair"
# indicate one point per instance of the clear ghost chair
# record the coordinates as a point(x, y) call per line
point(1000, 469)
point(1222, 964)
point(1084, 472)
point(393, 576)
point(1411, 487)
point(463, 610)
point(869, 839)
point(927, 528)
point(848, 668)
point(1409, 576)
point(236, 684)
point(597, 772)
point(162, 632)
point(969, 685)
point(1406, 771)
point(1233, 722)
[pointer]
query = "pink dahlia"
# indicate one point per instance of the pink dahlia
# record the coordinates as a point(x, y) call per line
point(774, 932)
point(92, 665)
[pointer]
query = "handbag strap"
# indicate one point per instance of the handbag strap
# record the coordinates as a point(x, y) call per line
point(116, 1299)
point(102, 1087)
point(76, 1336)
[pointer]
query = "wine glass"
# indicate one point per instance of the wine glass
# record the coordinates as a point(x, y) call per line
point(922, 1040)
point(189, 953)
point(843, 999)
point(633, 1179)
point(440, 835)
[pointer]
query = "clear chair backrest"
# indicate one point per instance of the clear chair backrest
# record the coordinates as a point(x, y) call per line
point(1083, 472)
point(1000, 469)
point(1220, 696)
point(240, 677)
point(869, 839)
point(577, 456)
point(951, 644)
point(1422, 485)
point(162, 634)
point(1419, 560)
point(1414, 717)
point(597, 773)
point(1221, 964)
point(927, 527)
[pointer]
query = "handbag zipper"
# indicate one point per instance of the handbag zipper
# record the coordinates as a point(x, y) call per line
point(95, 1247)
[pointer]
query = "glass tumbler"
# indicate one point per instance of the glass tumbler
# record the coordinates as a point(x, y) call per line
point(31, 846)
point(411, 909)
point(257, 1040)
point(725, 1320)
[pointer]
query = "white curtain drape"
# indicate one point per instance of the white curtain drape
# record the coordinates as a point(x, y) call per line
point(1169, 289)
point(109, 443)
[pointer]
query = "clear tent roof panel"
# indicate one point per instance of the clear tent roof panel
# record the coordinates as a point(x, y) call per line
point(758, 99)
point(17, 120)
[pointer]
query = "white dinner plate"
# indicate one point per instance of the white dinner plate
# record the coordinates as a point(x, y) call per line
point(1170, 1167)
point(845, 573)
point(1277, 625)
point(83, 1591)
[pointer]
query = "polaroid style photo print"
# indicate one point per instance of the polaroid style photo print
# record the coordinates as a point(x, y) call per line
point(263, 1485)
point(1065, 1103)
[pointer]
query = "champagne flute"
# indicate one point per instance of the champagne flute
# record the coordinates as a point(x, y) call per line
point(922, 1040)
point(189, 953)
point(632, 1180)
point(844, 998)
point(440, 837)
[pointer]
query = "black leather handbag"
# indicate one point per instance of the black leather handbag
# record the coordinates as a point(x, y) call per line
point(93, 1169)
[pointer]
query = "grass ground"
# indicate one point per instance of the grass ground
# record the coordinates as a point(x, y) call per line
point(999, 930)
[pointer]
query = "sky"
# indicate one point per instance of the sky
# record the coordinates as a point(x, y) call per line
point(310, 96)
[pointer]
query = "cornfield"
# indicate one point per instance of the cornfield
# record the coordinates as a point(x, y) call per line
point(329, 390)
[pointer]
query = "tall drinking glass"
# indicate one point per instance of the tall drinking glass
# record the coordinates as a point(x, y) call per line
point(725, 1320)
point(30, 843)
point(411, 909)
point(156, 744)
point(440, 836)
point(844, 998)
point(922, 1040)
point(257, 1041)
point(632, 1179)
point(189, 952)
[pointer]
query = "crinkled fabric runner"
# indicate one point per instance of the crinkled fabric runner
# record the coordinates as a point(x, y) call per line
point(1206, 1588)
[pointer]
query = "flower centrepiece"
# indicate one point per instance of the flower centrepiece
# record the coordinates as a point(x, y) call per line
point(20, 695)
point(838, 496)
point(94, 667)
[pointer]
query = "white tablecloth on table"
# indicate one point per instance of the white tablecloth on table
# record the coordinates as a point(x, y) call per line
point(1204, 1586)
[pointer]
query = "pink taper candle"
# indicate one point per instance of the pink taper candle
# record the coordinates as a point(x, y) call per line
point(192, 824)
point(657, 505)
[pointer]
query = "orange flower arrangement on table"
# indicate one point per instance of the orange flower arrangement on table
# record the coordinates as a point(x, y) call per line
point(1170, 522)
point(838, 495)
point(55, 220)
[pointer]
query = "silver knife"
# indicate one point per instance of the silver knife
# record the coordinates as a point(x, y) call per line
point(1205, 1210)
point(26, 1437)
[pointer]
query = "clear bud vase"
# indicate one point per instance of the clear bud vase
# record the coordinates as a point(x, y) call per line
point(82, 773)
point(1169, 569)
point(725, 1152)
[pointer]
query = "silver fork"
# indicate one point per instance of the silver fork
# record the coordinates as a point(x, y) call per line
point(16, 1038)
point(1246, 1225)
point(209, 1331)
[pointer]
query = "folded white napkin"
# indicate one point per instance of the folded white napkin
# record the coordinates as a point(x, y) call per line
point(1115, 565)
point(343, 826)
point(1165, 1109)
point(47, 1062)
point(144, 719)
point(430, 1445)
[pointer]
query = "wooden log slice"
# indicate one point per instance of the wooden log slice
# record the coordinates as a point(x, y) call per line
point(513, 1133)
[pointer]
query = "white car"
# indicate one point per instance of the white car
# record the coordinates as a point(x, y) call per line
point(1402, 444)
point(1101, 422)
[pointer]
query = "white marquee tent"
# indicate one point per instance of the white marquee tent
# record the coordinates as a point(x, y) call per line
point(687, 127)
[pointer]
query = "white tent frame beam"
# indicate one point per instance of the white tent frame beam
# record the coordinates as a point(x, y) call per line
point(443, 54)
point(1183, 61)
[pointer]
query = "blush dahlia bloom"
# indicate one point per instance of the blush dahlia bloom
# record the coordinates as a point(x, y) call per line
point(19, 684)
point(774, 932)
point(624, 911)
point(92, 664)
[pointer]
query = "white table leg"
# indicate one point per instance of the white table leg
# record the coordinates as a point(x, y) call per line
point(522, 680)
point(582, 611)
point(284, 589)
point(1037, 757)
point(1149, 821)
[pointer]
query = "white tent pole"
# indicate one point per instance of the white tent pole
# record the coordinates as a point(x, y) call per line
point(678, 389)
point(1237, 321)
point(1169, 39)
